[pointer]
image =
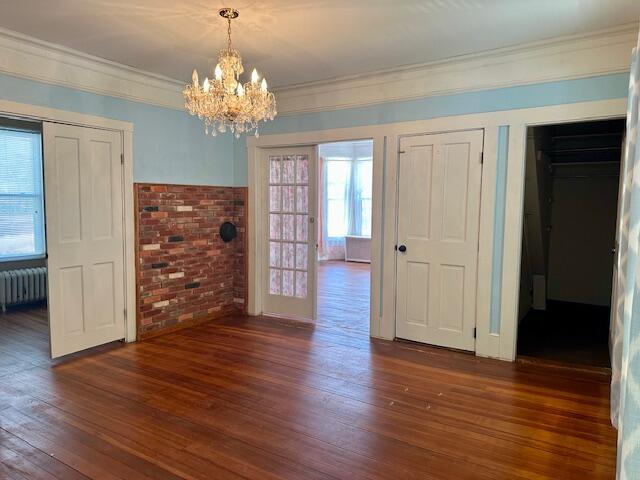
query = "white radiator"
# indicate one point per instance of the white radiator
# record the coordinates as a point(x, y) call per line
point(22, 286)
point(357, 249)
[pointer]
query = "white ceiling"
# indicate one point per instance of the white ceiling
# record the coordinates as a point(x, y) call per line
point(294, 42)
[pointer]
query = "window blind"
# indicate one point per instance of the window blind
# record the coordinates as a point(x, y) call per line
point(22, 233)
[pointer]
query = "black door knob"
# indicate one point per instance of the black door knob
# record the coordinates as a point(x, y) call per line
point(402, 248)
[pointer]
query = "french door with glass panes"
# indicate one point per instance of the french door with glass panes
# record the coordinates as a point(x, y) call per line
point(289, 232)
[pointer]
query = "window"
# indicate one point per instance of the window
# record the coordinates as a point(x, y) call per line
point(21, 195)
point(338, 173)
point(348, 178)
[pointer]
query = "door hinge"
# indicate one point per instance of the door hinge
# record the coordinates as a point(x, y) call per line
point(125, 313)
point(475, 332)
point(481, 158)
point(401, 151)
point(122, 158)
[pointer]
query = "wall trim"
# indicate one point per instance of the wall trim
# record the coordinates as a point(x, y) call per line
point(36, 112)
point(27, 57)
point(386, 145)
point(601, 52)
point(596, 53)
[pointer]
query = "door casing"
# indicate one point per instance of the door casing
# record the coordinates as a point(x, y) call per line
point(45, 114)
point(497, 293)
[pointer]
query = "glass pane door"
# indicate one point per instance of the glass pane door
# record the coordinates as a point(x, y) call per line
point(290, 247)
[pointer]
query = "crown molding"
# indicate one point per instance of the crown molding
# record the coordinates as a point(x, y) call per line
point(562, 58)
point(27, 57)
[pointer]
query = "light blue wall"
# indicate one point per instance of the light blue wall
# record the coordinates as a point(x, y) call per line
point(526, 96)
point(498, 229)
point(169, 146)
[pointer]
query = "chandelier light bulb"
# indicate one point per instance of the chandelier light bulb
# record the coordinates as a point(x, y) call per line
point(224, 103)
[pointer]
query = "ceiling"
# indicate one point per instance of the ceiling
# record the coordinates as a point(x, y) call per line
point(293, 42)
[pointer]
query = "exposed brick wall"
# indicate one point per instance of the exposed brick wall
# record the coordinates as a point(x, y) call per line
point(186, 273)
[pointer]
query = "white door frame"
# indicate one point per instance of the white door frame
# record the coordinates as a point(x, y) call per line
point(45, 114)
point(255, 280)
point(621, 116)
point(499, 344)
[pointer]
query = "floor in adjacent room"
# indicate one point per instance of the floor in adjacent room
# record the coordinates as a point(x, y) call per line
point(565, 332)
point(343, 296)
point(259, 398)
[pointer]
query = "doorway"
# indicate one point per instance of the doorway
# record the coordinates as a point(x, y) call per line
point(62, 268)
point(24, 320)
point(345, 194)
point(316, 218)
point(570, 211)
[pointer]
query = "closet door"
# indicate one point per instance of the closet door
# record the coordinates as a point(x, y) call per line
point(85, 243)
point(289, 233)
point(438, 223)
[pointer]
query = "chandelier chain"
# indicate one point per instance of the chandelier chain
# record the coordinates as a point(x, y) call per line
point(223, 102)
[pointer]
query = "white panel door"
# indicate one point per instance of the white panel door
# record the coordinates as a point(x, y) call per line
point(85, 243)
point(289, 233)
point(438, 222)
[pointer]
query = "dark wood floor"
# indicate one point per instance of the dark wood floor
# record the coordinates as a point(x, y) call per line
point(265, 399)
point(343, 296)
point(571, 333)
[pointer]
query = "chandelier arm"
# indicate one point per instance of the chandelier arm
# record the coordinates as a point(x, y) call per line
point(225, 103)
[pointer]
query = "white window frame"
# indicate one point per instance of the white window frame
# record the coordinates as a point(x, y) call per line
point(354, 162)
point(43, 234)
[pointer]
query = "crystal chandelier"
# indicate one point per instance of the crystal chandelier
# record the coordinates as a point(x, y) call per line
point(224, 102)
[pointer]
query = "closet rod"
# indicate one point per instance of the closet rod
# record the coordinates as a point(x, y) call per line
point(585, 176)
point(583, 135)
point(579, 150)
point(570, 164)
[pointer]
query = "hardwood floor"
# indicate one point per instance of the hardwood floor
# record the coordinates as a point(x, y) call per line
point(24, 338)
point(343, 296)
point(265, 399)
point(566, 332)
